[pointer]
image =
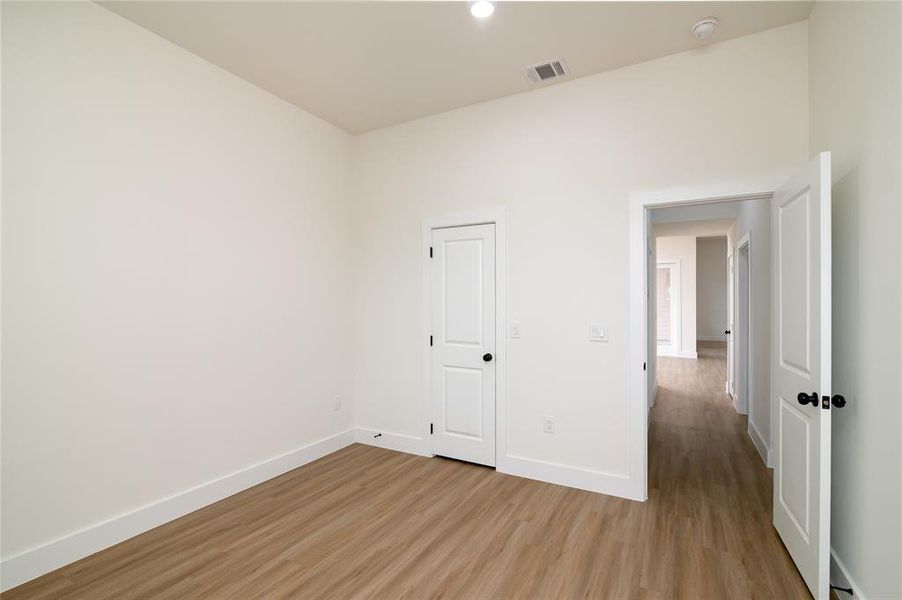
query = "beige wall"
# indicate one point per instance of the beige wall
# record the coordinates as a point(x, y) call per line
point(711, 288)
point(855, 73)
point(561, 161)
point(176, 272)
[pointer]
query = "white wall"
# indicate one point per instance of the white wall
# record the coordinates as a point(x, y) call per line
point(682, 250)
point(695, 216)
point(176, 272)
point(711, 288)
point(856, 67)
point(714, 228)
point(754, 220)
point(562, 161)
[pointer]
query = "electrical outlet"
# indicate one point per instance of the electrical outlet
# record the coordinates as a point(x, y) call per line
point(548, 424)
point(337, 402)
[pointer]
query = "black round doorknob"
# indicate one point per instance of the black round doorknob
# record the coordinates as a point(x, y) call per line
point(486, 357)
point(838, 401)
point(805, 398)
point(727, 332)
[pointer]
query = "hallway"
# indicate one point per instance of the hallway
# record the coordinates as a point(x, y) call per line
point(707, 476)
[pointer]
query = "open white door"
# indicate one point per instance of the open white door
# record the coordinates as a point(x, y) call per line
point(463, 325)
point(801, 370)
point(731, 359)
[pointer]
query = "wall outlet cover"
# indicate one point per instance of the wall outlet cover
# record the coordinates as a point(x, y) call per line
point(548, 424)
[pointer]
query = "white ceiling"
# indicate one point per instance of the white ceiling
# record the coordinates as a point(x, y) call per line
point(365, 65)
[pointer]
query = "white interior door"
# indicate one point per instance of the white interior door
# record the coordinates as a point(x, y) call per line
point(739, 332)
point(463, 325)
point(731, 358)
point(801, 370)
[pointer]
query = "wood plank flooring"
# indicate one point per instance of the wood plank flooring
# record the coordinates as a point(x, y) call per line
point(371, 523)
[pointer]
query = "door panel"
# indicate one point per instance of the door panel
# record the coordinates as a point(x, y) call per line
point(731, 359)
point(463, 317)
point(801, 363)
point(795, 473)
point(462, 402)
point(793, 223)
point(463, 291)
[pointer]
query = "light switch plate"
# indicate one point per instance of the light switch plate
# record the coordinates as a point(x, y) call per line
point(598, 332)
point(515, 329)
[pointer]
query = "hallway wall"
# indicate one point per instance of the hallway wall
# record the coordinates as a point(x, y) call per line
point(711, 286)
point(754, 219)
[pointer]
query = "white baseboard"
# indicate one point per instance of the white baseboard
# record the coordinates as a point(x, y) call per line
point(575, 477)
point(763, 450)
point(33, 563)
point(584, 479)
point(683, 354)
point(394, 441)
point(30, 564)
point(839, 575)
point(711, 338)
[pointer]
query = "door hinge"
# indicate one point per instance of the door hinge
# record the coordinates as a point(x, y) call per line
point(643, 366)
point(431, 429)
point(430, 340)
point(430, 251)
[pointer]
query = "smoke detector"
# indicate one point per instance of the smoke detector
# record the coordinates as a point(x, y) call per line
point(545, 71)
point(704, 27)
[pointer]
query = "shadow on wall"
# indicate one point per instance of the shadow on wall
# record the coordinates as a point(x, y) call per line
point(847, 307)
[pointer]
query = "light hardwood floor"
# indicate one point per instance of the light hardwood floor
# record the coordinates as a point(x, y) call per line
point(371, 523)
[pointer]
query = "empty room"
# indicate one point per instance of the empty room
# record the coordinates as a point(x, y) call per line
point(486, 300)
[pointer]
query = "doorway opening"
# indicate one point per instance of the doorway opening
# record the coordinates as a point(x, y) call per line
point(788, 425)
point(701, 307)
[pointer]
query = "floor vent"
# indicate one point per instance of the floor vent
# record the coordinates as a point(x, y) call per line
point(546, 71)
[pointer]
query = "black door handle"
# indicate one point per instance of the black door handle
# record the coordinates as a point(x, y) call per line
point(806, 399)
point(487, 357)
point(839, 401)
point(727, 332)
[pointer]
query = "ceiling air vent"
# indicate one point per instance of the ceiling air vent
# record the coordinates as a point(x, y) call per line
point(546, 71)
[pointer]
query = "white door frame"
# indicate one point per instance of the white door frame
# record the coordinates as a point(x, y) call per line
point(742, 404)
point(640, 204)
point(676, 309)
point(475, 217)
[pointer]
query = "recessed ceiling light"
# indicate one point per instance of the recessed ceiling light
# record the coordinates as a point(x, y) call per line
point(482, 9)
point(704, 27)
